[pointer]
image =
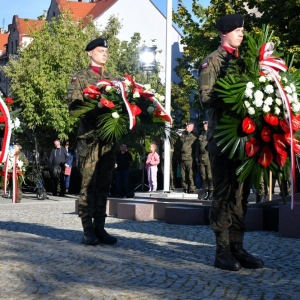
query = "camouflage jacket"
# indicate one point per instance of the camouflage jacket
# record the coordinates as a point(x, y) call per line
point(74, 97)
point(203, 154)
point(212, 68)
point(188, 146)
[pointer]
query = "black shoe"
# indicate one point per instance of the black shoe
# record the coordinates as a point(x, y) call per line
point(210, 195)
point(192, 192)
point(225, 260)
point(104, 237)
point(89, 237)
point(185, 191)
point(246, 260)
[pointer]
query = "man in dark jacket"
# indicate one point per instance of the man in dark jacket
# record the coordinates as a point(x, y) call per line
point(58, 158)
point(228, 212)
point(96, 157)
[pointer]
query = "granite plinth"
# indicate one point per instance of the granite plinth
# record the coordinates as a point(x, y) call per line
point(135, 211)
point(183, 215)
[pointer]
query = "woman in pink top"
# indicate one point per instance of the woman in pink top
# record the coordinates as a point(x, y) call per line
point(151, 166)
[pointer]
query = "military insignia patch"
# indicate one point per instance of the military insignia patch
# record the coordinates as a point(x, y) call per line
point(204, 65)
point(74, 79)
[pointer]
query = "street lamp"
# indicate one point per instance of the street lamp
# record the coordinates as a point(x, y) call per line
point(148, 65)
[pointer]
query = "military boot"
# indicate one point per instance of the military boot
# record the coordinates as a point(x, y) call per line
point(205, 195)
point(225, 260)
point(89, 237)
point(246, 260)
point(103, 236)
point(210, 195)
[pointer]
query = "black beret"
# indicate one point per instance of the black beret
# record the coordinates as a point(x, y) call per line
point(230, 22)
point(99, 42)
point(189, 123)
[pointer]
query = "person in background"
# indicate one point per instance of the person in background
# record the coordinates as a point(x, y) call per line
point(58, 160)
point(68, 165)
point(151, 167)
point(123, 161)
point(227, 212)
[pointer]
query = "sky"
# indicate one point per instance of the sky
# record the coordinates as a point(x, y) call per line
point(33, 8)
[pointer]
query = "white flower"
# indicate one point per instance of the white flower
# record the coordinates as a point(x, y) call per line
point(288, 89)
point(108, 88)
point(277, 93)
point(247, 104)
point(258, 102)
point(268, 101)
point(277, 110)
point(156, 95)
point(292, 86)
point(262, 79)
point(18, 123)
point(20, 164)
point(136, 95)
point(278, 76)
point(284, 79)
point(278, 101)
point(296, 107)
point(295, 97)
point(290, 98)
point(147, 87)
point(150, 109)
point(258, 95)
point(127, 82)
point(115, 115)
point(248, 93)
point(266, 108)
point(251, 111)
point(161, 98)
point(250, 85)
point(269, 89)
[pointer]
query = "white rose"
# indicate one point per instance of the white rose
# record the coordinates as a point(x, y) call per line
point(108, 88)
point(247, 104)
point(269, 89)
point(288, 89)
point(268, 101)
point(156, 95)
point(290, 98)
point(251, 111)
point(292, 86)
point(266, 108)
point(136, 95)
point(147, 87)
point(248, 93)
point(150, 109)
point(115, 115)
point(18, 123)
point(296, 107)
point(278, 101)
point(284, 79)
point(295, 97)
point(161, 98)
point(258, 102)
point(262, 79)
point(277, 110)
point(258, 95)
point(250, 85)
point(127, 82)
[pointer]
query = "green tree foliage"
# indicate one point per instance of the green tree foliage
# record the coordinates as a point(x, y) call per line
point(41, 72)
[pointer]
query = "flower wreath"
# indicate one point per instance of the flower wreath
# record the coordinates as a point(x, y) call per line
point(128, 104)
point(261, 121)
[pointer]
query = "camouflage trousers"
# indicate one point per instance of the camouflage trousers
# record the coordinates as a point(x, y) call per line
point(206, 177)
point(228, 210)
point(188, 175)
point(96, 164)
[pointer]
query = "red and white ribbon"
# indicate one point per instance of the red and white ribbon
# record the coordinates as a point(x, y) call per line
point(7, 130)
point(271, 65)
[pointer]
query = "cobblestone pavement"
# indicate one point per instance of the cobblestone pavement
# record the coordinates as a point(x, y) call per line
point(42, 258)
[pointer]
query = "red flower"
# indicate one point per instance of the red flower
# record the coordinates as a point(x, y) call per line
point(284, 125)
point(92, 91)
point(279, 142)
point(135, 110)
point(295, 123)
point(266, 134)
point(251, 147)
point(271, 119)
point(288, 138)
point(248, 125)
point(107, 103)
point(9, 100)
point(265, 157)
point(297, 148)
point(281, 158)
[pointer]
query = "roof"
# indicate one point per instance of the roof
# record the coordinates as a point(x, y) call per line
point(3, 41)
point(81, 10)
point(26, 25)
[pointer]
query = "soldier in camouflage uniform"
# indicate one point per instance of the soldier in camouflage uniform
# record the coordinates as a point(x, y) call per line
point(188, 158)
point(227, 213)
point(96, 157)
point(205, 170)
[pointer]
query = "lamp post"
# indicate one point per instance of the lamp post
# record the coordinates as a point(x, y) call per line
point(148, 65)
